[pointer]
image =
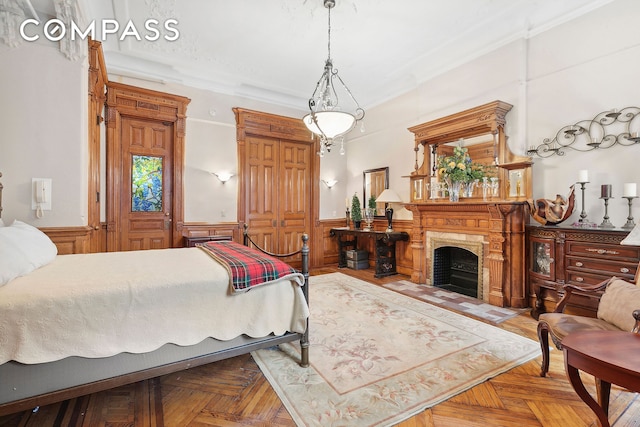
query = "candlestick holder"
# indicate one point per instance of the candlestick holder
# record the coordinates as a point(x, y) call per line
point(629, 223)
point(605, 221)
point(583, 221)
point(348, 217)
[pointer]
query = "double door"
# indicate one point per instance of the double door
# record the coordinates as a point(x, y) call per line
point(278, 203)
point(278, 186)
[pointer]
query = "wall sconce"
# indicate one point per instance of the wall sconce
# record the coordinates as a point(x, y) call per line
point(223, 176)
point(330, 182)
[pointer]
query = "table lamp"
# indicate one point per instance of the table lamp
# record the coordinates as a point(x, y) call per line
point(389, 196)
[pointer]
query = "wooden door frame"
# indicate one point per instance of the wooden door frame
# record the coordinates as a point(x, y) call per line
point(256, 123)
point(131, 101)
point(97, 97)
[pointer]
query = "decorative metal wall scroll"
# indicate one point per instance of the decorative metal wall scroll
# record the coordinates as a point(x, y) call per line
point(597, 133)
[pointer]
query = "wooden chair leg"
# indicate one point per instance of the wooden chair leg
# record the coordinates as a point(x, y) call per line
point(543, 337)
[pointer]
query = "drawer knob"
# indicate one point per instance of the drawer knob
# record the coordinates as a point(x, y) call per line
point(624, 270)
point(579, 279)
point(579, 264)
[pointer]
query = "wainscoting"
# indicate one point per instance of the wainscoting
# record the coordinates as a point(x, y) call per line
point(70, 240)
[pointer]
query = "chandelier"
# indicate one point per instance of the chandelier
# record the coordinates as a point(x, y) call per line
point(327, 118)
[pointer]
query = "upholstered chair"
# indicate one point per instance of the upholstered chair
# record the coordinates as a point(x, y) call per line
point(618, 310)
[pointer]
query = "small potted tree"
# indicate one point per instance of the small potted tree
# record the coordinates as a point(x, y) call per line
point(356, 212)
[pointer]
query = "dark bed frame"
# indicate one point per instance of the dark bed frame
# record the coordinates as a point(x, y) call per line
point(149, 364)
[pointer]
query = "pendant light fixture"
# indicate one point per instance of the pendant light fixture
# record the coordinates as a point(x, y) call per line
point(328, 118)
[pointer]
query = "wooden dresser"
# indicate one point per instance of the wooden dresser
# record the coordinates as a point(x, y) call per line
point(579, 256)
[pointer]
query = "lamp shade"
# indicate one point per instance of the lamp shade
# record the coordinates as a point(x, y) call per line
point(332, 123)
point(389, 196)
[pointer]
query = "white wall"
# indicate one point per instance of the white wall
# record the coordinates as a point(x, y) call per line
point(575, 72)
point(43, 125)
point(387, 142)
point(43, 117)
point(555, 78)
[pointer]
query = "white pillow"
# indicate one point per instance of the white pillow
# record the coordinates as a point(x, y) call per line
point(23, 248)
point(1, 223)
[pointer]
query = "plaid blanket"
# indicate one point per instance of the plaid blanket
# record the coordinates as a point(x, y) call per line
point(249, 267)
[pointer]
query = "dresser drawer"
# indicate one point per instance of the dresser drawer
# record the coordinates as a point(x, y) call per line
point(584, 278)
point(601, 250)
point(607, 267)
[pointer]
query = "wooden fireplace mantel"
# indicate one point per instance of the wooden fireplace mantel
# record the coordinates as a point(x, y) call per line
point(496, 225)
point(499, 225)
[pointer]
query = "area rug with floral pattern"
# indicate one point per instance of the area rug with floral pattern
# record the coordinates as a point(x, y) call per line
point(379, 357)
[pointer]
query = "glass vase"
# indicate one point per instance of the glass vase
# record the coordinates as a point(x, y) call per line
point(368, 218)
point(469, 187)
point(454, 190)
point(485, 187)
point(495, 186)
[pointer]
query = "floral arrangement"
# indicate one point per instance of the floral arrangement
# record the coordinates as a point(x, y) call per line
point(459, 167)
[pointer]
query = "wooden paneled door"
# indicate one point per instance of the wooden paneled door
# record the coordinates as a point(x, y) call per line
point(146, 203)
point(278, 203)
point(278, 190)
point(145, 161)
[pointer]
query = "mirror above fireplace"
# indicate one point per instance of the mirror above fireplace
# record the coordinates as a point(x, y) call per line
point(481, 130)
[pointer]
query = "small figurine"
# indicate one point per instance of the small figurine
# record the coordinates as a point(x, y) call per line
point(553, 212)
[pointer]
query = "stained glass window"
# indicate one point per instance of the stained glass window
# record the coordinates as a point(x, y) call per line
point(146, 184)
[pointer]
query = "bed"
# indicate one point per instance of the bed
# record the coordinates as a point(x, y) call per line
point(89, 322)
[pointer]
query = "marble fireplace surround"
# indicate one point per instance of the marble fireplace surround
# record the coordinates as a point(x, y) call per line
point(498, 227)
point(472, 243)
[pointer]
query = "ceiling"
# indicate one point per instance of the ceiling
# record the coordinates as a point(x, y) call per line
point(274, 50)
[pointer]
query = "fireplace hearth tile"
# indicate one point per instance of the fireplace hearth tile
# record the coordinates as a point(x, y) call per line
point(457, 302)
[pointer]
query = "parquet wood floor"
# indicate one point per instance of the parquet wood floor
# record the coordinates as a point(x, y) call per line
point(234, 392)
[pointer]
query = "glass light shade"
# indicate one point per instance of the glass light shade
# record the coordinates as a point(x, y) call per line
point(332, 123)
point(223, 176)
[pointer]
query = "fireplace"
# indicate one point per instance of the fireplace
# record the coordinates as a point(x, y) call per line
point(456, 263)
point(456, 269)
point(492, 231)
point(495, 223)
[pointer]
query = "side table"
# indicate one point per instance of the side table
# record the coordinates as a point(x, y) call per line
point(611, 357)
point(385, 253)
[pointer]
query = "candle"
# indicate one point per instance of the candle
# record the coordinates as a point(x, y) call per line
point(605, 191)
point(629, 190)
point(346, 203)
point(583, 176)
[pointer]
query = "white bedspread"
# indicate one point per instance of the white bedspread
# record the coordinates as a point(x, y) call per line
point(98, 305)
